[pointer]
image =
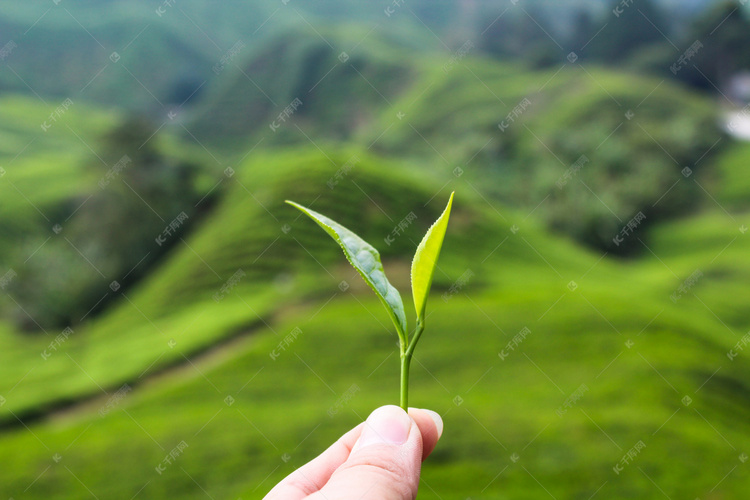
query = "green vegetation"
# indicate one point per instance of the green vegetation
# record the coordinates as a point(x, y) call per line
point(733, 183)
point(143, 190)
point(562, 134)
point(504, 405)
point(719, 56)
point(42, 169)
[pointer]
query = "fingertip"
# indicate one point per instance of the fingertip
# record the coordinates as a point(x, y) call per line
point(386, 425)
point(438, 421)
point(385, 460)
point(430, 426)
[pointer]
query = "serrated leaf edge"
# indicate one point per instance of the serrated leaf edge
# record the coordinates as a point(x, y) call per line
point(399, 322)
point(420, 247)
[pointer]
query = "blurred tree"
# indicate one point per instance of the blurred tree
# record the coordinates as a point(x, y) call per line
point(633, 27)
point(121, 221)
point(526, 35)
point(111, 241)
point(724, 36)
point(582, 33)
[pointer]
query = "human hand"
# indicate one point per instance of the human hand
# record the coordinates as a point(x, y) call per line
point(379, 459)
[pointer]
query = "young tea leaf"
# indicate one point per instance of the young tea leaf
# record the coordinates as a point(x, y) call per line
point(423, 265)
point(366, 260)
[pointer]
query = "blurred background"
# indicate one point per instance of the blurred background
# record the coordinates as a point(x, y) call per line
point(170, 329)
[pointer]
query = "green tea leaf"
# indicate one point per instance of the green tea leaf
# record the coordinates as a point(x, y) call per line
point(423, 265)
point(366, 260)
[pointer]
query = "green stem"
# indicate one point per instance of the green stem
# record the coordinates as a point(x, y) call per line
point(415, 339)
point(406, 355)
point(405, 361)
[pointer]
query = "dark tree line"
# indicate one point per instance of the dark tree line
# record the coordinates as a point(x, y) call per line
point(110, 240)
point(704, 50)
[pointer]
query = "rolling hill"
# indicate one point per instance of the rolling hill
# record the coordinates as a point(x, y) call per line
point(590, 148)
point(630, 353)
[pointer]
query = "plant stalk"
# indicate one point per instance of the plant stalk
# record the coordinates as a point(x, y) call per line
point(406, 355)
point(405, 362)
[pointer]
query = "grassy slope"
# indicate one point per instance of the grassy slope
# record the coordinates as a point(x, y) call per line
point(733, 183)
point(47, 176)
point(508, 406)
point(178, 302)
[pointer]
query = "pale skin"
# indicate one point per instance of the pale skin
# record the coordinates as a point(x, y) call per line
point(379, 459)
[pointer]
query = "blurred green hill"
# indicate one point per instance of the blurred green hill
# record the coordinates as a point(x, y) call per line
point(144, 55)
point(622, 139)
point(140, 55)
point(57, 57)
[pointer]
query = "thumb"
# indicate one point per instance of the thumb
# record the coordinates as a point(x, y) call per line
point(385, 461)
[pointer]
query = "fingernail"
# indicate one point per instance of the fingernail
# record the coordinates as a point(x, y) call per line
point(386, 425)
point(438, 421)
